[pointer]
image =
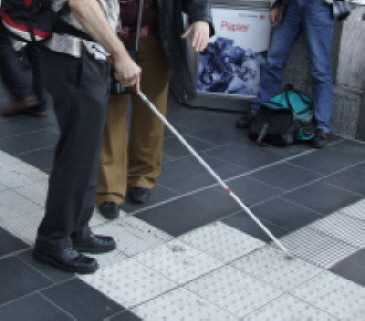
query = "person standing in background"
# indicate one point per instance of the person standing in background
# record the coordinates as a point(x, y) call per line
point(315, 18)
point(136, 162)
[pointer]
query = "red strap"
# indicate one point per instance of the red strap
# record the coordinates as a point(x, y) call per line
point(28, 3)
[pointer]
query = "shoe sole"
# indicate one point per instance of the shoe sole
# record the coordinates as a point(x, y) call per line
point(47, 260)
point(95, 251)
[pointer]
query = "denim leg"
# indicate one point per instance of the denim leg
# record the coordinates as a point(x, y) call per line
point(282, 41)
point(318, 25)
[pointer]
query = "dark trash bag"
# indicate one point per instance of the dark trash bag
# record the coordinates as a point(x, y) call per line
point(287, 118)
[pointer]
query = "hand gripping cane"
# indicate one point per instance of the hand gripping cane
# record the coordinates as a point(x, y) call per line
point(212, 173)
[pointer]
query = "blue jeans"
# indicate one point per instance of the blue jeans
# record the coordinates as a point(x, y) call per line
point(314, 17)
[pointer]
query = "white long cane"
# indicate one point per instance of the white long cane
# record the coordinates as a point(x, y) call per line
point(211, 172)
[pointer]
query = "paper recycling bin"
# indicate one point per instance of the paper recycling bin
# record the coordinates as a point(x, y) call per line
point(228, 72)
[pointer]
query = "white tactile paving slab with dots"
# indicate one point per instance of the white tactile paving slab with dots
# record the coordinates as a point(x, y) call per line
point(356, 210)
point(36, 192)
point(221, 241)
point(331, 293)
point(8, 160)
point(271, 265)
point(234, 290)
point(21, 175)
point(133, 235)
point(12, 204)
point(348, 229)
point(178, 261)
point(181, 305)
point(289, 308)
point(128, 282)
point(107, 259)
point(317, 248)
point(25, 226)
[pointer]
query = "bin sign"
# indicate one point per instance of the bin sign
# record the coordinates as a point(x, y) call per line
point(231, 63)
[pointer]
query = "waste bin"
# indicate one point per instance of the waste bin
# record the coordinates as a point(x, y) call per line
point(227, 73)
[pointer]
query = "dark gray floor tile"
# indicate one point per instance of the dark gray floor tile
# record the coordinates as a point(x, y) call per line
point(252, 191)
point(28, 142)
point(82, 301)
point(41, 159)
point(358, 257)
point(173, 147)
point(158, 194)
point(352, 179)
point(187, 174)
point(246, 224)
point(187, 213)
point(32, 308)
point(332, 158)
point(21, 125)
point(349, 270)
point(10, 243)
point(55, 275)
point(322, 198)
point(251, 156)
point(125, 316)
point(285, 214)
point(18, 279)
point(285, 176)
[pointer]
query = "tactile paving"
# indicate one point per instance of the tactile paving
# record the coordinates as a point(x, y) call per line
point(107, 259)
point(25, 226)
point(128, 282)
point(289, 308)
point(221, 241)
point(181, 305)
point(20, 175)
point(356, 210)
point(8, 160)
point(178, 261)
point(12, 204)
point(36, 192)
point(233, 290)
point(133, 235)
point(271, 265)
point(343, 227)
point(317, 248)
point(335, 295)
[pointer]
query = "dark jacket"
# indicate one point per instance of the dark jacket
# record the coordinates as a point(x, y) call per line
point(171, 27)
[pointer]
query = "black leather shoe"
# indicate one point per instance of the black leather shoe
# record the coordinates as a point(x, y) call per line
point(320, 139)
point(67, 260)
point(245, 121)
point(139, 194)
point(109, 210)
point(94, 244)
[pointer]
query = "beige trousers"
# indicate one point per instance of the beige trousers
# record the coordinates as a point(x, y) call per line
point(135, 160)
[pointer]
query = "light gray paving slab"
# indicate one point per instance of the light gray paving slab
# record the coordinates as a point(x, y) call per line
point(343, 227)
point(107, 259)
point(289, 308)
point(356, 210)
point(340, 297)
point(317, 248)
point(234, 290)
point(20, 175)
point(222, 241)
point(271, 265)
point(128, 282)
point(8, 160)
point(25, 226)
point(36, 192)
point(178, 261)
point(133, 235)
point(181, 305)
point(12, 204)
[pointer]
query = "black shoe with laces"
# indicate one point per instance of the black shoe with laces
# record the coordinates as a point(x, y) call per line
point(94, 244)
point(320, 139)
point(245, 121)
point(68, 260)
point(109, 210)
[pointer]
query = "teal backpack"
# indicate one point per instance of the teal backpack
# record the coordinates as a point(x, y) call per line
point(285, 119)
